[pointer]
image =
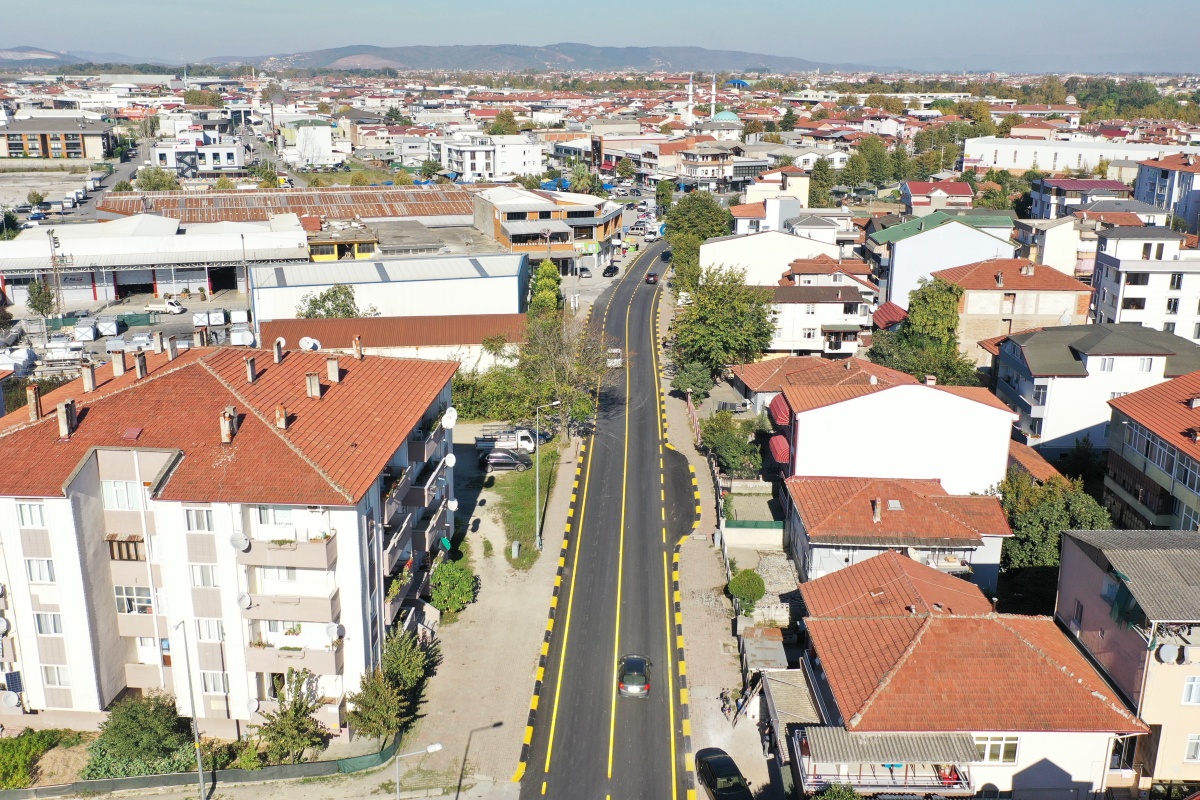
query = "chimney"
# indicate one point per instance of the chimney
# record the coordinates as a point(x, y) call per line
point(198, 337)
point(156, 340)
point(877, 510)
point(277, 348)
point(931, 380)
point(281, 421)
point(228, 420)
point(1193, 402)
point(356, 345)
point(995, 603)
point(1194, 434)
point(172, 348)
point(999, 280)
point(89, 379)
point(312, 384)
point(333, 369)
point(66, 419)
point(139, 364)
point(251, 370)
point(118, 359)
point(34, 395)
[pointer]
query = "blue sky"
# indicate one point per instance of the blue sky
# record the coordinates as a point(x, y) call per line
point(1092, 35)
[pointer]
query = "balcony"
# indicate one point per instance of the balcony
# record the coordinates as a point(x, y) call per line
point(423, 442)
point(396, 483)
point(399, 537)
point(941, 770)
point(425, 488)
point(143, 676)
point(8, 648)
point(315, 554)
point(293, 609)
point(427, 531)
point(140, 625)
point(279, 659)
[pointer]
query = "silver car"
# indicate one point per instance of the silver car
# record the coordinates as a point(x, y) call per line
point(633, 676)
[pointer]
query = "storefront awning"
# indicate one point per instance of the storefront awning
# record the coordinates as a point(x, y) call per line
point(780, 449)
point(781, 412)
point(830, 745)
point(840, 328)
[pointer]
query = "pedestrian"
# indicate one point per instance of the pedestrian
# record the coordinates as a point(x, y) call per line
point(725, 702)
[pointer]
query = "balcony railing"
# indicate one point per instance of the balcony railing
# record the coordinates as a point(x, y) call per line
point(425, 488)
point(426, 532)
point(278, 659)
point(315, 554)
point(399, 537)
point(422, 443)
point(396, 484)
point(941, 779)
point(293, 608)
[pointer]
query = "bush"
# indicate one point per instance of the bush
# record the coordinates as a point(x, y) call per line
point(377, 707)
point(146, 727)
point(748, 587)
point(693, 377)
point(19, 756)
point(452, 586)
point(732, 441)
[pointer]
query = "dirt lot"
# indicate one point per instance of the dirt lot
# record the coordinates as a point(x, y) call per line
point(63, 764)
point(14, 186)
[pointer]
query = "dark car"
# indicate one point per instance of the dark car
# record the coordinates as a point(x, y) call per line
point(719, 776)
point(37, 215)
point(493, 460)
point(651, 277)
point(633, 676)
point(610, 271)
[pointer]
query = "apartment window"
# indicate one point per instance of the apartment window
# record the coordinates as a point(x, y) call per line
point(1144, 364)
point(1035, 426)
point(1172, 305)
point(48, 624)
point(281, 626)
point(121, 495)
point(1106, 364)
point(214, 682)
point(132, 599)
point(39, 570)
point(1158, 252)
point(1193, 747)
point(1146, 250)
point(204, 575)
point(998, 749)
point(32, 515)
point(810, 308)
point(1133, 303)
point(1137, 278)
point(60, 677)
point(282, 573)
point(1191, 691)
point(125, 551)
point(1176, 281)
point(1168, 327)
point(1039, 395)
point(274, 515)
point(198, 519)
point(836, 277)
point(1196, 331)
point(210, 630)
point(810, 333)
point(1077, 617)
point(146, 641)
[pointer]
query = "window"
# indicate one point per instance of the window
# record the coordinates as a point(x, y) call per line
point(1191, 691)
point(33, 515)
point(198, 519)
point(58, 676)
point(1158, 252)
point(274, 515)
point(1137, 278)
point(1035, 426)
point(204, 575)
point(214, 682)
point(1196, 331)
point(132, 599)
point(1000, 749)
point(1115, 395)
point(121, 495)
point(210, 630)
point(1039, 395)
point(1193, 747)
point(810, 308)
point(48, 624)
point(836, 277)
point(1146, 248)
point(1106, 364)
point(125, 551)
point(810, 333)
point(1077, 617)
point(1133, 303)
point(1172, 305)
point(1144, 364)
point(1168, 327)
point(282, 573)
point(1176, 281)
point(39, 570)
point(147, 641)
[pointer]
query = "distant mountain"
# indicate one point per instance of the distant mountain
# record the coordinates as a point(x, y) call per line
point(118, 58)
point(34, 57)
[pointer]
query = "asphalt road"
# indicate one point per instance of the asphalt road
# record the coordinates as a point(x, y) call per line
point(616, 593)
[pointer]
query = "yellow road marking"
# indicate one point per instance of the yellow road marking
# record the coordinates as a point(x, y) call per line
point(670, 683)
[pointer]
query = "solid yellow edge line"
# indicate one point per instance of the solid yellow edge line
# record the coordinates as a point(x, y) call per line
point(670, 681)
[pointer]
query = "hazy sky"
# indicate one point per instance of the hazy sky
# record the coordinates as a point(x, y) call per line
point(1093, 35)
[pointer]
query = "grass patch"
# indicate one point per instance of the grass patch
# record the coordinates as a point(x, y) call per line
point(19, 755)
point(516, 490)
point(487, 548)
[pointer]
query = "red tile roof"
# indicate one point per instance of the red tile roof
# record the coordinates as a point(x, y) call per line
point(749, 211)
point(822, 264)
point(1180, 162)
point(808, 398)
point(338, 334)
point(981, 276)
point(1120, 219)
point(842, 509)
point(772, 375)
point(331, 453)
point(1164, 410)
point(1025, 458)
point(889, 314)
point(952, 188)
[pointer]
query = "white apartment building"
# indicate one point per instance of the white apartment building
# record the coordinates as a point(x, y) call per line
point(476, 157)
point(1172, 183)
point(1142, 275)
point(229, 512)
point(824, 320)
point(201, 154)
point(986, 152)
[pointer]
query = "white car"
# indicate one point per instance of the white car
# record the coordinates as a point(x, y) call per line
point(614, 360)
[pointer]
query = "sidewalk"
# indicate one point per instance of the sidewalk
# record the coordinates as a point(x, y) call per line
point(712, 654)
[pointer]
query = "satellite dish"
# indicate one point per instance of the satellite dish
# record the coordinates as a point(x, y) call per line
point(450, 460)
point(450, 418)
point(452, 504)
point(1168, 653)
point(9, 699)
point(240, 542)
point(334, 631)
point(3, 626)
point(309, 343)
point(252, 705)
point(244, 601)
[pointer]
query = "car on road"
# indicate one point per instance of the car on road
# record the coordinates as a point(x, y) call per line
point(719, 776)
point(610, 271)
point(633, 676)
point(585, 272)
point(651, 277)
point(37, 215)
point(24, 208)
point(499, 459)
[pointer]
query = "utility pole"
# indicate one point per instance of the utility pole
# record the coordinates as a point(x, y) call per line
point(54, 264)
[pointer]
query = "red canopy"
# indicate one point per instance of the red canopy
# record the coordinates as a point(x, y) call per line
point(780, 411)
point(780, 449)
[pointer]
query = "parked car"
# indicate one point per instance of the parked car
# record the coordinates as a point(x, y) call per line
point(651, 277)
point(498, 459)
point(37, 215)
point(719, 776)
point(633, 676)
point(585, 272)
point(24, 208)
point(610, 271)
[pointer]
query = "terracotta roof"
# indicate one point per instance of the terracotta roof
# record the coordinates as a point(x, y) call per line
point(976, 393)
point(952, 188)
point(1164, 410)
point(912, 512)
point(1122, 219)
point(1179, 162)
point(338, 334)
point(331, 453)
point(981, 276)
point(889, 314)
point(749, 211)
point(1029, 460)
point(992, 345)
point(913, 670)
point(774, 374)
point(807, 398)
point(822, 264)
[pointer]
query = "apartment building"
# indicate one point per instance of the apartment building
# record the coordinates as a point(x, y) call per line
point(56, 137)
point(1172, 183)
point(1061, 197)
point(475, 157)
point(922, 198)
point(201, 155)
point(832, 320)
point(229, 512)
point(1017, 155)
point(1142, 275)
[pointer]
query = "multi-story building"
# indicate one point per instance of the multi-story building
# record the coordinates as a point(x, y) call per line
point(1142, 275)
point(1061, 197)
point(1172, 183)
point(226, 512)
point(1017, 155)
point(922, 198)
point(201, 155)
point(827, 320)
point(476, 157)
point(56, 137)
point(1061, 378)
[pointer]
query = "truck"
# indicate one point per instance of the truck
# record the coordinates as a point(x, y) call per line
point(165, 307)
point(505, 437)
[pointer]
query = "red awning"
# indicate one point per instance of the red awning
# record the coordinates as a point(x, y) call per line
point(781, 412)
point(608, 165)
point(780, 450)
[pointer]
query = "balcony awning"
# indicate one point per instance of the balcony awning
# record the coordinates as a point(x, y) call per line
point(781, 412)
point(781, 451)
point(535, 226)
point(838, 327)
point(831, 745)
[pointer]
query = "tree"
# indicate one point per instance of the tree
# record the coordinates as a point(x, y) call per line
point(563, 359)
point(199, 97)
point(857, 171)
point(748, 587)
point(731, 441)
point(1008, 122)
point(1039, 513)
point(144, 727)
point(292, 728)
point(397, 117)
point(879, 163)
point(360, 178)
point(685, 259)
point(820, 183)
point(324, 108)
point(546, 288)
point(772, 138)
point(693, 377)
point(843, 791)
point(698, 214)
point(1102, 166)
point(10, 226)
point(317, 182)
point(377, 708)
point(665, 129)
point(784, 161)
point(155, 179)
point(505, 124)
point(452, 586)
point(429, 168)
point(664, 193)
point(336, 302)
point(752, 128)
point(927, 342)
point(933, 312)
point(41, 299)
point(902, 165)
point(406, 661)
point(728, 322)
point(993, 198)
point(625, 168)
point(788, 121)
point(223, 182)
point(530, 183)
point(34, 197)
point(581, 178)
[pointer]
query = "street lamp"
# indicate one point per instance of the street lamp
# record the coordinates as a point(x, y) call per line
point(433, 748)
point(187, 665)
point(537, 471)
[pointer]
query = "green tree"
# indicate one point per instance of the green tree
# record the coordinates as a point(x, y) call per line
point(122, 186)
point(1039, 513)
point(546, 281)
point(748, 587)
point(360, 178)
point(879, 162)
point(199, 97)
point(785, 161)
point(397, 117)
point(788, 121)
point(698, 214)
point(625, 168)
point(154, 179)
point(407, 661)
point(857, 170)
point(324, 108)
point(336, 302)
point(530, 183)
point(844, 791)
point(664, 193)
point(10, 226)
point(292, 729)
point(581, 179)
point(40, 299)
point(820, 183)
point(317, 182)
point(927, 342)
point(1102, 166)
point(34, 197)
point(665, 129)
point(429, 168)
point(1008, 122)
point(902, 165)
point(731, 441)
point(933, 312)
point(543, 302)
point(993, 198)
point(505, 124)
point(752, 128)
point(223, 182)
point(452, 586)
point(685, 260)
point(562, 359)
point(144, 727)
point(695, 378)
point(728, 322)
point(377, 708)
